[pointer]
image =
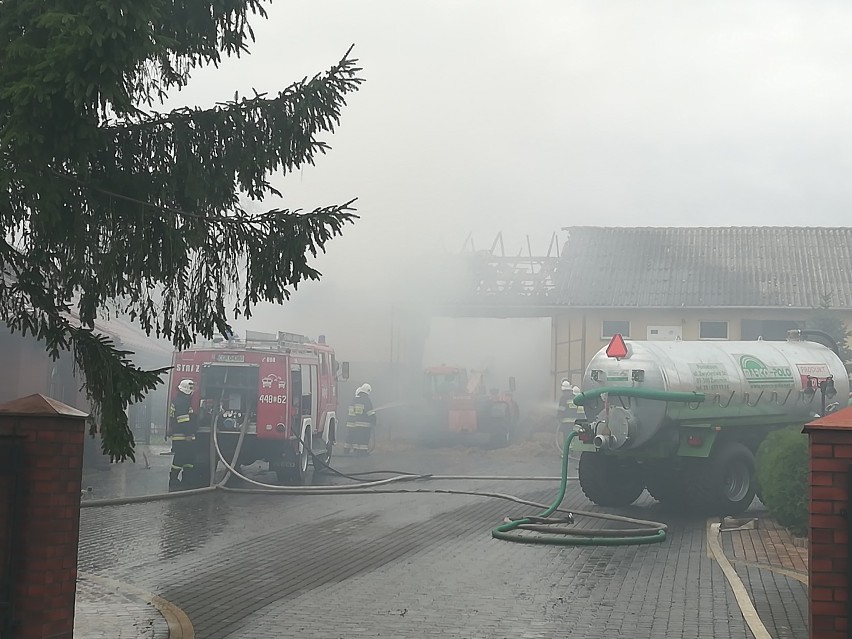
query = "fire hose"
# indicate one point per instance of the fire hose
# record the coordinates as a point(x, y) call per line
point(648, 532)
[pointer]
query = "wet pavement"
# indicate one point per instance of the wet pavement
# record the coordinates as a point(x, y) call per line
point(774, 571)
point(148, 475)
point(402, 565)
point(103, 612)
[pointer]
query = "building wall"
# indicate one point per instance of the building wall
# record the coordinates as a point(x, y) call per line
point(577, 334)
point(28, 369)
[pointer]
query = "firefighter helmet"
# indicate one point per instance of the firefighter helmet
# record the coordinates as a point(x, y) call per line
point(366, 388)
point(186, 386)
point(566, 385)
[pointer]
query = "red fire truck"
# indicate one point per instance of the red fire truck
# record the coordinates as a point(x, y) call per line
point(284, 386)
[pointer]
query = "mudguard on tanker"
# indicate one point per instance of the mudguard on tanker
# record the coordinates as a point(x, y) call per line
point(684, 419)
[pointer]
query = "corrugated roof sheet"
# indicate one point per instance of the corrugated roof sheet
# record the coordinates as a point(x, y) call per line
point(701, 267)
point(130, 336)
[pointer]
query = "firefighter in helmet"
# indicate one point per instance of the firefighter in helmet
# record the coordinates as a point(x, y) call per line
point(183, 432)
point(568, 411)
point(360, 422)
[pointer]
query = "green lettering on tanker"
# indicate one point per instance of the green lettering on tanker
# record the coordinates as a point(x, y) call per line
point(757, 373)
point(710, 378)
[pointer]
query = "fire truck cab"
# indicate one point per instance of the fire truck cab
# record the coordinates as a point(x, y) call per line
point(282, 387)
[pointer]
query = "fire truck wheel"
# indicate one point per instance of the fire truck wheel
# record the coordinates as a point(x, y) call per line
point(610, 481)
point(296, 476)
point(501, 436)
point(196, 477)
point(323, 459)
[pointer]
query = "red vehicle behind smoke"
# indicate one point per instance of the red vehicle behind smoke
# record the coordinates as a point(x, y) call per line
point(282, 387)
point(458, 404)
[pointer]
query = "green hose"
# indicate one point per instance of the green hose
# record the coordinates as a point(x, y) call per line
point(641, 393)
point(504, 531)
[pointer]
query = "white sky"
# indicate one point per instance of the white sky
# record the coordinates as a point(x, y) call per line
point(524, 117)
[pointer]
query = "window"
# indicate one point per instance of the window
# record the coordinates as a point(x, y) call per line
point(712, 330)
point(772, 330)
point(308, 373)
point(611, 327)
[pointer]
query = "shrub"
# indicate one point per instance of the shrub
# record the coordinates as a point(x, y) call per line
point(782, 475)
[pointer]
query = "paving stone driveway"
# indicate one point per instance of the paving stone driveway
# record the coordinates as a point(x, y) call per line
point(406, 565)
point(104, 613)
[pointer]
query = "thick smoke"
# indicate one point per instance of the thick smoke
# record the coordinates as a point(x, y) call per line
point(393, 312)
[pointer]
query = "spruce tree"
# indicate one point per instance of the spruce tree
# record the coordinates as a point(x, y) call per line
point(111, 206)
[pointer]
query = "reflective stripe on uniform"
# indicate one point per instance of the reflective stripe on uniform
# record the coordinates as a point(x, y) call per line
point(358, 425)
point(182, 419)
point(183, 438)
point(357, 409)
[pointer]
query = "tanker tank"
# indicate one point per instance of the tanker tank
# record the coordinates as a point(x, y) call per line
point(661, 414)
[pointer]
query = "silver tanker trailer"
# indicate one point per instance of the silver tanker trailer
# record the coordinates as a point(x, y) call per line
point(684, 419)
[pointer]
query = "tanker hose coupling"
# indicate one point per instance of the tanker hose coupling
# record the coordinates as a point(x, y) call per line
point(604, 441)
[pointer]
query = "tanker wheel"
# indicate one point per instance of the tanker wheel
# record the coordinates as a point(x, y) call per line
point(665, 484)
point(724, 484)
point(610, 481)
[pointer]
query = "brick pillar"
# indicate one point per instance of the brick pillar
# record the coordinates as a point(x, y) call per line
point(828, 558)
point(48, 437)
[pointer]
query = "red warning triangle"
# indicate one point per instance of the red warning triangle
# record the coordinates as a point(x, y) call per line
point(617, 348)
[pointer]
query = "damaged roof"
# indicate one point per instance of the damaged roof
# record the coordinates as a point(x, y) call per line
point(701, 267)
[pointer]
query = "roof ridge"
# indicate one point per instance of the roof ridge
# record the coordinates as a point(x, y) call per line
point(705, 267)
point(707, 228)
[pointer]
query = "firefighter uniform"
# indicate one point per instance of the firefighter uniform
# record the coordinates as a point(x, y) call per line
point(183, 432)
point(360, 422)
point(568, 411)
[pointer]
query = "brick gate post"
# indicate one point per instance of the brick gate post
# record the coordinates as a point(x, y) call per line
point(830, 449)
point(41, 524)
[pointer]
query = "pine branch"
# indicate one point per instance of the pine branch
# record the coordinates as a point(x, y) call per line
point(103, 204)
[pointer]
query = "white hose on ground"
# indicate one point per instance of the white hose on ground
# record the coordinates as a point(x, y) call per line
point(366, 488)
point(291, 489)
point(362, 488)
point(501, 477)
point(237, 450)
point(358, 490)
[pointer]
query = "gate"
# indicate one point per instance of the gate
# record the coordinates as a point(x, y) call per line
point(11, 507)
